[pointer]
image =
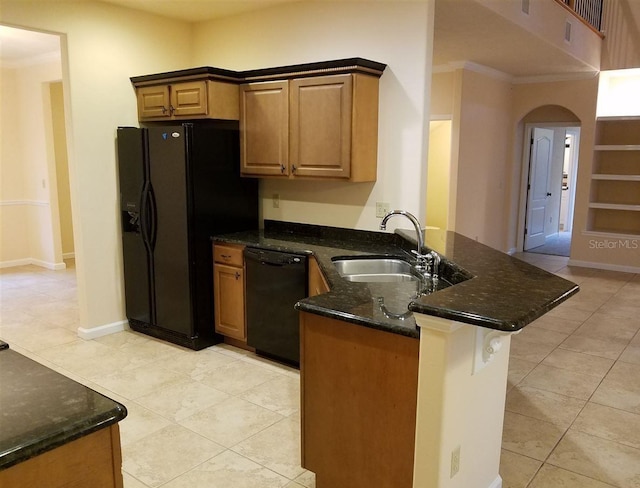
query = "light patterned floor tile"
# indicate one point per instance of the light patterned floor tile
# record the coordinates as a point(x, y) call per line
point(609, 328)
point(281, 395)
point(231, 421)
point(551, 477)
point(579, 362)
point(198, 365)
point(166, 454)
point(620, 388)
point(597, 458)
point(229, 470)
point(238, 377)
point(517, 470)
point(139, 423)
point(595, 347)
point(556, 324)
point(609, 423)
point(631, 355)
point(562, 381)
point(528, 436)
point(557, 409)
point(307, 479)
point(139, 381)
point(182, 400)
point(276, 447)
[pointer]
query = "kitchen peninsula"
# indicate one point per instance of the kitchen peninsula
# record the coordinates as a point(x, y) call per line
point(54, 431)
point(404, 390)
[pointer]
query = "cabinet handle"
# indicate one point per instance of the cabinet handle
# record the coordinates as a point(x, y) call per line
point(226, 256)
point(171, 109)
point(282, 168)
point(293, 168)
point(164, 110)
point(237, 275)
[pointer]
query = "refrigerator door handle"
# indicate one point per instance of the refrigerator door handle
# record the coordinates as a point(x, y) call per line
point(153, 218)
point(146, 216)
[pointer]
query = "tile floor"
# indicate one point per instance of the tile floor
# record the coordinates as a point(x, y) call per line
point(223, 417)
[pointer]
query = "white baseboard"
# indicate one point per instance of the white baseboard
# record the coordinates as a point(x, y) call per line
point(15, 262)
point(608, 267)
point(102, 330)
point(45, 264)
point(68, 255)
point(512, 251)
point(497, 483)
point(35, 262)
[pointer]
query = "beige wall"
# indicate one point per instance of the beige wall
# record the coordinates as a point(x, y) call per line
point(621, 45)
point(438, 173)
point(26, 197)
point(483, 125)
point(442, 94)
point(59, 136)
point(103, 47)
point(395, 33)
point(13, 213)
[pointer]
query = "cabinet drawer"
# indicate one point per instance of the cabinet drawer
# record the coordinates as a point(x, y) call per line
point(230, 255)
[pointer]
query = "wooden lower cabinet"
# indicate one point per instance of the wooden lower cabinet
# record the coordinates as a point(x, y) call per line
point(359, 392)
point(229, 292)
point(92, 461)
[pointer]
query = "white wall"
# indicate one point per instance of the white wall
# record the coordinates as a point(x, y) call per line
point(396, 33)
point(103, 46)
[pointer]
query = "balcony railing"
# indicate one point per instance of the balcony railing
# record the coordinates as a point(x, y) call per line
point(589, 10)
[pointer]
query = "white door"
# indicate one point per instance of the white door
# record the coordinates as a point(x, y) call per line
point(538, 190)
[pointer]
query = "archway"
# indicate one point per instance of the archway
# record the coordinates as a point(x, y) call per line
point(547, 186)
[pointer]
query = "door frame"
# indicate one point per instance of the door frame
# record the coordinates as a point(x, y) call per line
point(525, 169)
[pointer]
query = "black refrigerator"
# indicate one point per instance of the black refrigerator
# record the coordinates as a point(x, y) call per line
point(179, 186)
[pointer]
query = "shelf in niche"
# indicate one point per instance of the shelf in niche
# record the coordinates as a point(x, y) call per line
point(609, 177)
point(612, 233)
point(615, 206)
point(617, 147)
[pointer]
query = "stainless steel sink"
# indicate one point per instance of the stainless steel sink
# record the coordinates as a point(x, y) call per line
point(371, 270)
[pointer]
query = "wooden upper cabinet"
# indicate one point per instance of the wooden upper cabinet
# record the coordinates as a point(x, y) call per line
point(311, 127)
point(264, 128)
point(320, 116)
point(187, 100)
point(153, 102)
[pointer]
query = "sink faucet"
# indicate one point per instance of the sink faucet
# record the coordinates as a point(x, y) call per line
point(414, 221)
point(422, 259)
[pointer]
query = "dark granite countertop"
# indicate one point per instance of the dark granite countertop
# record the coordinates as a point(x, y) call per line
point(491, 289)
point(41, 409)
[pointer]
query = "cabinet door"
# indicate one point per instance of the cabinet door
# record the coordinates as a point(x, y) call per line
point(264, 128)
point(317, 283)
point(153, 102)
point(228, 285)
point(320, 117)
point(189, 98)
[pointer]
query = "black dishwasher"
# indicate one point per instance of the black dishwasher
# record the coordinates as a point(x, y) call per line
point(275, 281)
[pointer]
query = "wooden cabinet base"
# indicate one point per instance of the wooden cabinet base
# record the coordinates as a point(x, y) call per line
point(359, 392)
point(92, 461)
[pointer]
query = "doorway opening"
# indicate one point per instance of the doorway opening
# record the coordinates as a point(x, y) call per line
point(549, 173)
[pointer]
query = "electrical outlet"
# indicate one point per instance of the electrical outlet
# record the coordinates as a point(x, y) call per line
point(382, 209)
point(455, 461)
point(275, 200)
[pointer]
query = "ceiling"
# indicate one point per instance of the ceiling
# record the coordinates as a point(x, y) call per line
point(464, 31)
point(19, 46)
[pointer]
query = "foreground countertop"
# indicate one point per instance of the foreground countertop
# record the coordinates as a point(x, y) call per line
point(41, 409)
point(501, 292)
